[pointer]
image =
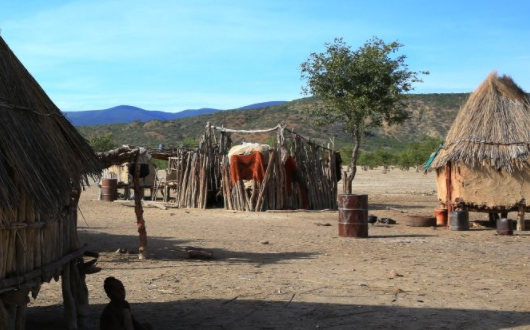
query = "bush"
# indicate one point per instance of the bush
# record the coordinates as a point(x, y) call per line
point(103, 142)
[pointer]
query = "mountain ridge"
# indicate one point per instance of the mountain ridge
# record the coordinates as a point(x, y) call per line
point(127, 114)
point(431, 117)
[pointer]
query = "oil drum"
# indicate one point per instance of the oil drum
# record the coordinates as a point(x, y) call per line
point(109, 189)
point(353, 215)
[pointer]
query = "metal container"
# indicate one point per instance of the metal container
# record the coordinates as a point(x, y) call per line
point(441, 217)
point(353, 215)
point(505, 226)
point(459, 220)
point(353, 201)
point(109, 189)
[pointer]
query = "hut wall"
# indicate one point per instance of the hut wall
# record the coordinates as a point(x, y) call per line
point(31, 241)
point(121, 172)
point(35, 248)
point(484, 187)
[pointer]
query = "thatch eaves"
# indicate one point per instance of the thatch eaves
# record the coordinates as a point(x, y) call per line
point(42, 155)
point(491, 129)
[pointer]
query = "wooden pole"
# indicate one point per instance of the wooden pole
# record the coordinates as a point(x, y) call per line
point(139, 211)
point(70, 313)
point(520, 217)
point(449, 189)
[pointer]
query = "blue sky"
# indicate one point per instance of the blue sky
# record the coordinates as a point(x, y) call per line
point(173, 55)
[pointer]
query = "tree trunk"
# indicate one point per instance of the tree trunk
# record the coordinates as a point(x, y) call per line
point(352, 169)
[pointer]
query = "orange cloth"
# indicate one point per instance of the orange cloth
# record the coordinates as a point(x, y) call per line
point(247, 167)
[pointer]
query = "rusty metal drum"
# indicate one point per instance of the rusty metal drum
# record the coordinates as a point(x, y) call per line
point(353, 215)
point(109, 190)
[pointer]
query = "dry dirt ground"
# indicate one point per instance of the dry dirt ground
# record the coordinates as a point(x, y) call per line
point(306, 277)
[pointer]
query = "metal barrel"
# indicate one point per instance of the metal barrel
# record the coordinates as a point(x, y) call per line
point(109, 189)
point(353, 201)
point(459, 220)
point(505, 226)
point(353, 215)
point(441, 217)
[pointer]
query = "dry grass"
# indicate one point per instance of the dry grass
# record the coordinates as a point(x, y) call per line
point(491, 129)
point(42, 155)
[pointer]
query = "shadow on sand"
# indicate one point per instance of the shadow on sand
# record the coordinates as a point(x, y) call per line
point(168, 248)
point(286, 314)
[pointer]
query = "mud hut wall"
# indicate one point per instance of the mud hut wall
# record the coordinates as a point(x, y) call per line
point(32, 242)
point(484, 186)
point(121, 172)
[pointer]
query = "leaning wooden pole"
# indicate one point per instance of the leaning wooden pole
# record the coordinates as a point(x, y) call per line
point(138, 210)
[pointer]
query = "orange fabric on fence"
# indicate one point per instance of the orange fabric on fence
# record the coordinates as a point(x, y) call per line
point(247, 167)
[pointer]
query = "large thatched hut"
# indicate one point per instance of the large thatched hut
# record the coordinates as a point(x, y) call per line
point(44, 163)
point(484, 164)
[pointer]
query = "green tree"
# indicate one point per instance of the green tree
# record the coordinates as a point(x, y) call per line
point(190, 142)
point(358, 89)
point(103, 142)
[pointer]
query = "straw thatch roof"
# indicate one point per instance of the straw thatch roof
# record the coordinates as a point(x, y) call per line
point(42, 155)
point(491, 129)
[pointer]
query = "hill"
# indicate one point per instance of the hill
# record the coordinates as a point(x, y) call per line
point(128, 114)
point(431, 116)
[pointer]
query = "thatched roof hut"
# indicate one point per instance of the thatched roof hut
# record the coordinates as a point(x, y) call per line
point(44, 162)
point(484, 163)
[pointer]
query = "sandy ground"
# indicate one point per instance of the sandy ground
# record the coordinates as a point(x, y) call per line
point(306, 277)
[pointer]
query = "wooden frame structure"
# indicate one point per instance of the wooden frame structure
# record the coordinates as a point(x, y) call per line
point(204, 173)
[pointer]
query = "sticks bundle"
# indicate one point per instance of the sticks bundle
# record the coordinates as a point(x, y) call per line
point(203, 173)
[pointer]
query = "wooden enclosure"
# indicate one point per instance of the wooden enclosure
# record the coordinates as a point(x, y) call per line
point(299, 174)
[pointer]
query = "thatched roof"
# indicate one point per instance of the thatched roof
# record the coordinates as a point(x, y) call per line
point(491, 129)
point(42, 155)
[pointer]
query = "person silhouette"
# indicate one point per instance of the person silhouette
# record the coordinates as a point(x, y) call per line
point(117, 314)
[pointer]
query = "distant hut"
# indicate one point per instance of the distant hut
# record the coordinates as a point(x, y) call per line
point(44, 162)
point(123, 173)
point(484, 164)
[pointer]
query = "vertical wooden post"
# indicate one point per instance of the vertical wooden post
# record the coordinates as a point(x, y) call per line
point(520, 217)
point(449, 189)
point(139, 211)
point(70, 312)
